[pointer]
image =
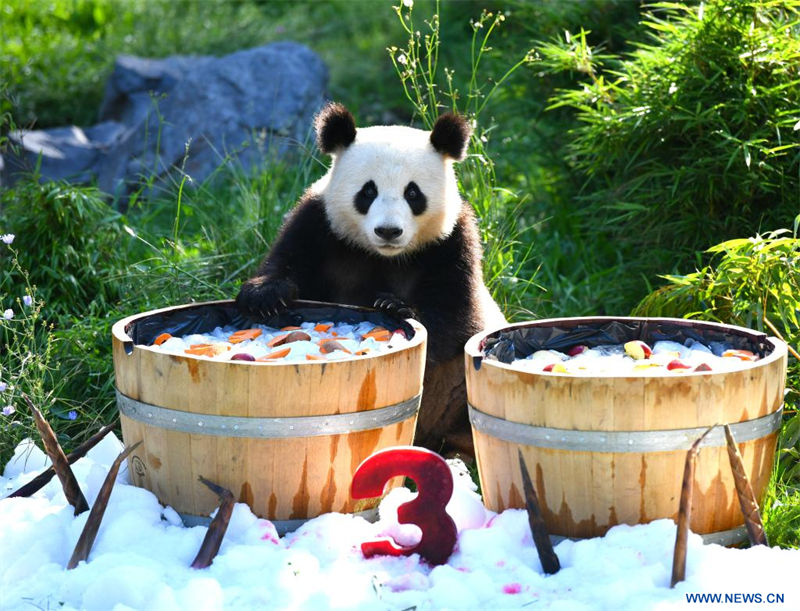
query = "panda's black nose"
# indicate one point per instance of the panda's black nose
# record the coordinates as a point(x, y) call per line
point(387, 232)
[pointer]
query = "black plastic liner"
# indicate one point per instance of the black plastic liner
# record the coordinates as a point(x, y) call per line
point(204, 318)
point(521, 342)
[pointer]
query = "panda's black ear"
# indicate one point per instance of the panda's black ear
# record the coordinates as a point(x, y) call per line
point(336, 128)
point(450, 135)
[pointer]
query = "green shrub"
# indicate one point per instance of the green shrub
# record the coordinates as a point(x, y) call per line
point(690, 138)
point(753, 283)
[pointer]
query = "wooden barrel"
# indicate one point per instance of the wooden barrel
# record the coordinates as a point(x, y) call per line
point(285, 438)
point(610, 449)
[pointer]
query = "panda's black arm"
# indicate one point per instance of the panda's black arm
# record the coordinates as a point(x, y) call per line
point(289, 262)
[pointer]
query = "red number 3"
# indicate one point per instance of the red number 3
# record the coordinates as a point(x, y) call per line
point(434, 489)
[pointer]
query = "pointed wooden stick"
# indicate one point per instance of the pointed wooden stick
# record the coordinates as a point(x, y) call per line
point(41, 480)
point(747, 499)
point(685, 511)
point(541, 538)
point(60, 464)
point(89, 533)
point(217, 528)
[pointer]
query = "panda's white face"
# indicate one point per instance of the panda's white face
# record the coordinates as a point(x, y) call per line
point(390, 192)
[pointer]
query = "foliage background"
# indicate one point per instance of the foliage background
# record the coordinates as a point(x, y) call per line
point(629, 156)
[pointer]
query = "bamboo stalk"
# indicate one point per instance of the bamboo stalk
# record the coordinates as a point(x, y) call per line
point(89, 532)
point(41, 480)
point(60, 463)
point(541, 538)
point(216, 530)
point(685, 511)
point(747, 499)
point(777, 333)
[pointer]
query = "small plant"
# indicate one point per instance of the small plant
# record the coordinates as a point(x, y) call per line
point(26, 350)
point(508, 269)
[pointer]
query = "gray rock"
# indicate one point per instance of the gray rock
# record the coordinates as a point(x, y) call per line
point(184, 115)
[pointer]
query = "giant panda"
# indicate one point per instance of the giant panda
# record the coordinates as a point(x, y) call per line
point(386, 227)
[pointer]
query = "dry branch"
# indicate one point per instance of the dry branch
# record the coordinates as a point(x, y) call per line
point(685, 511)
point(89, 533)
point(41, 480)
point(60, 464)
point(747, 499)
point(217, 528)
point(541, 538)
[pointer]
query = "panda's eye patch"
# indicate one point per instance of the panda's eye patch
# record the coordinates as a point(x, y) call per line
point(366, 196)
point(415, 198)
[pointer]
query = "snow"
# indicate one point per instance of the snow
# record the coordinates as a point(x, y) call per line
point(141, 558)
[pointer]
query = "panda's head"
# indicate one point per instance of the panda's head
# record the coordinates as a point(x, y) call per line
point(391, 189)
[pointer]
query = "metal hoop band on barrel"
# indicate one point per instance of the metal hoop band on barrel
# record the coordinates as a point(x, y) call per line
point(619, 441)
point(233, 426)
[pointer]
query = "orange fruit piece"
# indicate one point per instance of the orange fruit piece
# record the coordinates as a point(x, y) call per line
point(240, 336)
point(315, 357)
point(327, 346)
point(277, 340)
point(277, 354)
point(744, 355)
point(161, 339)
point(322, 327)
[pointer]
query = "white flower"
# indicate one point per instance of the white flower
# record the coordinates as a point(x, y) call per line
point(7, 238)
point(8, 314)
point(8, 410)
point(3, 386)
point(27, 300)
point(408, 3)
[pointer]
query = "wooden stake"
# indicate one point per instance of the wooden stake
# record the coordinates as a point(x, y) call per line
point(60, 464)
point(89, 533)
point(541, 538)
point(777, 333)
point(41, 480)
point(217, 528)
point(747, 499)
point(685, 511)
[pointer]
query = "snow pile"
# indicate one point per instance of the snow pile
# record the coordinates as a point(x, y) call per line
point(142, 554)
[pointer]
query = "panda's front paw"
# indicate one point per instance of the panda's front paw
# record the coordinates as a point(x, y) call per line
point(393, 305)
point(261, 297)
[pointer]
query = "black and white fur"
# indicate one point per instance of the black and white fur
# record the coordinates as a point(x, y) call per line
point(385, 227)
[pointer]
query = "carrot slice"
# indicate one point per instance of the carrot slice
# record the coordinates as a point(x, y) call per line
point(379, 334)
point(161, 339)
point(322, 327)
point(315, 357)
point(290, 328)
point(245, 334)
point(277, 354)
point(201, 350)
